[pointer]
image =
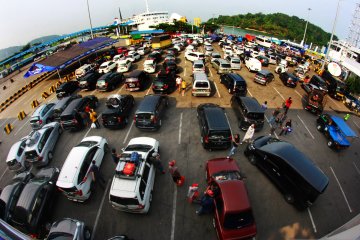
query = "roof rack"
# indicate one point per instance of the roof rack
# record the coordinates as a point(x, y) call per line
point(129, 166)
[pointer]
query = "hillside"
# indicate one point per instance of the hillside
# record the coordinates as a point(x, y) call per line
point(278, 24)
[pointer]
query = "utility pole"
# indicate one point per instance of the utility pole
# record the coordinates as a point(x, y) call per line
point(307, 21)
point(120, 20)
point(91, 31)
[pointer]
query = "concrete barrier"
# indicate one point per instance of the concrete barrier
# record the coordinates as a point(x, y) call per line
point(21, 115)
point(8, 128)
point(34, 103)
point(45, 95)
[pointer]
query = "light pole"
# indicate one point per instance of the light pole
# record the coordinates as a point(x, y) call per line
point(331, 38)
point(307, 21)
point(91, 31)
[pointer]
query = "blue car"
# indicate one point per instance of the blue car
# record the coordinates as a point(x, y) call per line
point(336, 130)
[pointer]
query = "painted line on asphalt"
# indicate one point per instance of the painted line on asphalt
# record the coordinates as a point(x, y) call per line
point(312, 220)
point(90, 127)
point(127, 134)
point(2, 175)
point(342, 191)
point(184, 72)
point(279, 93)
point(249, 92)
point(100, 209)
point(22, 126)
point(120, 89)
point(50, 99)
point(217, 90)
point(92, 93)
point(180, 127)
point(173, 217)
point(14, 121)
point(298, 94)
point(211, 73)
point(147, 93)
point(334, 102)
point(306, 127)
point(271, 126)
point(356, 167)
point(356, 124)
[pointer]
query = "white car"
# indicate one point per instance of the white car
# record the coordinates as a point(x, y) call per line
point(75, 179)
point(133, 56)
point(208, 50)
point(149, 66)
point(133, 182)
point(193, 56)
point(207, 44)
point(16, 157)
point(143, 50)
point(106, 67)
point(254, 53)
point(190, 48)
point(118, 57)
point(178, 47)
point(123, 65)
point(252, 64)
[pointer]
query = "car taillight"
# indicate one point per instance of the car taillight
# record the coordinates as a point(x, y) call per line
point(74, 121)
point(34, 236)
point(40, 158)
point(206, 139)
point(140, 206)
point(40, 121)
point(153, 118)
point(134, 119)
point(119, 119)
point(79, 193)
point(165, 86)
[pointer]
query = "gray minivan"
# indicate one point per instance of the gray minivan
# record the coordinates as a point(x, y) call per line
point(42, 116)
point(61, 105)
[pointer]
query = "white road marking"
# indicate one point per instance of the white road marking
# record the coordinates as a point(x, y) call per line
point(14, 121)
point(127, 134)
point(312, 220)
point(249, 92)
point(356, 124)
point(50, 99)
point(271, 126)
point(298, 94)
point(120, 89)
point(357, 169)
point(217, 90)
point(92, 93)
point(173, 217)
point(306, 127)
point(279, 93)
point(100, 209)
point(342, 191)
point(184, 72)
point(22, 126)
point(211, 73)
point(334, 102)
point(180, 127)
point(147, 93)
point(2, 175)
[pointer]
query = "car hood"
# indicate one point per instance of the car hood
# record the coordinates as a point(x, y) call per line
point(221, 165)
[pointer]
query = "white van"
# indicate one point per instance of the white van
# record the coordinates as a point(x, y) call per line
point(201, 85)
point(252, 64)
point(192, 56)
point(83, 70)
point(198, 66)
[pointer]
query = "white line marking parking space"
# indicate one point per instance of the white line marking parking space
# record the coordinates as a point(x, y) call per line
point(249, 92)
point(127, 134)
point(147, 92)
point(2, 175)
point(120, 89)
point(356, 167)
point(342, 191)
point(217, 90)
point(312, 220)
point(173, 216)
point(306, 127)
point(100, 209)
point(271, 126)
point(356, 124)
point(23, 125)
point(180, 127)
point(298, 94)
point(279, 93)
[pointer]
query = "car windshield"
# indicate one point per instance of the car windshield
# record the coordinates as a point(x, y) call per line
point(236, 61)
point(227, 175)
point(87, 144)
point(226, 65)
point(198, 65)
point(148, 65)
point(138, 148)
point(60, 236)
point(101, 82)
point(238, 220)
point(199, 84)
point(122, 65)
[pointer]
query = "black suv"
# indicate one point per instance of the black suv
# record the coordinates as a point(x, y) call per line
point(150, 112)
point(137, 80)
point(234, 83)
point(214, 127)
point(116, 115)
point(156, 56)
point(66, 89)
point(61, 105)
point(248, 111)
point(319, 82)
point(170, 66)
point(165, 82)
point(88, 82)
point(289, 79)
point(71, 116)
point(35, 202)
point(109, 81)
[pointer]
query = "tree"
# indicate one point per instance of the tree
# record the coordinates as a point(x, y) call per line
point(209, 27)
point(353, 83)
point(26, 47)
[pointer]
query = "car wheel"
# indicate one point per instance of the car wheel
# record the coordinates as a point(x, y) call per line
point(319, 127)
point(289, 198)
point(87, 233)
point(50, 156)
point(330, 143)
point(252, 159)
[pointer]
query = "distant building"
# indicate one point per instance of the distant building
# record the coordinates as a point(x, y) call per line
point(197, 22)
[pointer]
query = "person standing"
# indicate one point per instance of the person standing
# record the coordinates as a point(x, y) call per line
point(115, 157)
point(249, 134)
point(275, 113)
point(287, 104)
point(286, 128)
point(178, 83)
point(175, 174)
point(183, 87)
point(156, 161)
point(93, 118)
point(264, 106)
point(206, 202)
point(96, 175)
point(235, 145)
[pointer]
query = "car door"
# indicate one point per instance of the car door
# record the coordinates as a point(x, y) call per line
point(85, 186)
point(46, 144)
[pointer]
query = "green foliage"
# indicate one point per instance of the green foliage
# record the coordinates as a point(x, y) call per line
point(178, 26)
point(26, 47)
point(209, 27)
point(277, 24)
point(353, 84)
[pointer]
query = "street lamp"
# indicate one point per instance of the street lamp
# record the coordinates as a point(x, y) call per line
point(331, 38)
point(307, 21)
point(91, 31)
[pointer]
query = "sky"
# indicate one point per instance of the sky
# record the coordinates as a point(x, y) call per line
point(22, 21)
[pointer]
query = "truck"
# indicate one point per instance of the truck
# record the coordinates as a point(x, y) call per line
point(336, 88)
point(161, 41)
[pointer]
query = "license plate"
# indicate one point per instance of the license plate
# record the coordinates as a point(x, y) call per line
point(131, 85)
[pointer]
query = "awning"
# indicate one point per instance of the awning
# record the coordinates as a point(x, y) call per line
point(147, 32)
point(343, 126)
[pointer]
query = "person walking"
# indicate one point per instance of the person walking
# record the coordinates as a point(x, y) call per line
point(96, 175)
point(275, 113)
point(249, 134)
point(93, 118)
point(173, 170)
point(264, 106)
point(206, 202)
point(178, 83)
point(115, 157)
point(156, 161)
point(287, 104)
point(235, 144)
point(183, 87)
point(287, 128)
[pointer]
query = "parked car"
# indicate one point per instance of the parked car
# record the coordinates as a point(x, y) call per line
point(83, 70)
point(74, 179)
point(133, 56)
point(198, 66)
point(252, 64)
point(170, 58)
point(109, 81)
point(118, 57)
point(214, 127)
point(165, 82)
point(235, 62)
point(66, 89)
point(295, 174)
point(208, 50)
point(264, 77)
point(40, 144)
point(143, 51)
point(123, 65)
point(300, 73)
point(42, 115)
point(156, 56)
point(264, 60)
point(272, 59)
point(150, 112)
point(192, 56)
point(337, 131)
point(200, 85)
point(215, 55)
point(106, 67)
point(315, 101)
point(248, 111)
point(319, 82)
point(10, 195)
point(234, 83)
point(137, 80)
point(233, 217)
point(35, 202)
point(61, 105)
point(288, 79)
point(170, 66)
point(88, 82)
point(122, 50)
point(132, 186)
point(68, 228)
point(119, 107)
point(150, 66)
point(221, 66)
point(15, 159)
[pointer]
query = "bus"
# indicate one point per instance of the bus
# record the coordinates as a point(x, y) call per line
point(161, 41)
point(263, 41)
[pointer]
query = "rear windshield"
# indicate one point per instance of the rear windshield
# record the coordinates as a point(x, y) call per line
point(240, 83)
point(69, 190)
point(101, 82)
point(124, 201)
point(67, 117)
point(255, 116)
point(238, 220)
point(236, 61)
point(198, 65)
point(226, 65)
point(219, 134)
point(144, 116)
point(199, 84)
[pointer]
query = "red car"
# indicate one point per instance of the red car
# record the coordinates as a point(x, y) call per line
point(122, 50)
point(233, 217)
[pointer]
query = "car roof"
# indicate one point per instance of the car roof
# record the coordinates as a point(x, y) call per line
point(148, 103)
point(216, 118)
point(151, 61)
point(301, 163)
point(221, 164)
point(343, 126)
point(13, 151)
point(39, 109)
point(234, 196)
point(264, 72)
point(72, 105)
point(66, 225)
point(135, 73)
point(143, 140)
point(236, 77)
point(251, 103)
point(27, 197)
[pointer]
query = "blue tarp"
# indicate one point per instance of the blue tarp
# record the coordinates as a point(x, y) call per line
point(343, 126)
point(37, 68)
point(147, 32)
